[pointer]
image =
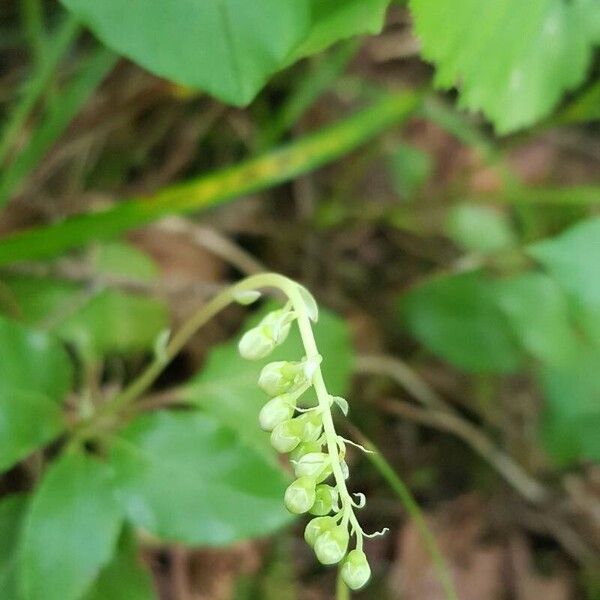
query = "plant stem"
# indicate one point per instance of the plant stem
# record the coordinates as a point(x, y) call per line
point(341, 591)
point(55, 49)
point(401, 490)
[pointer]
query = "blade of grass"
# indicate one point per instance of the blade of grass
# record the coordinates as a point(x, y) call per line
point(55, 50)
point(64, 107)
point(215, 188)
point(412, 508)
point(33, 22)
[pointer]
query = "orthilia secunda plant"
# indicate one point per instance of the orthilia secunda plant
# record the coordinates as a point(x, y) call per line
point(307, 433)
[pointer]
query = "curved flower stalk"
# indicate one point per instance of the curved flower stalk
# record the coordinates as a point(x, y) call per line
point(308, 435)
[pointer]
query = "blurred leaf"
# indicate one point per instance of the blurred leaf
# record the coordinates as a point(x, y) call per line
point(184, 477)
point(183, 40)
point(571, 419)
point(12, 511)
point(115, 322)
point(35, 376)
point(573, 259)
point(124, 260)
point(538, 311)
point(457, 318)
point(410, 168)
point(332, 20)
point(28, 420)
point(71, 529)
point(97, 322)
point(32, 361)
point(509, 58)
point(479, 228)
point(227, 385)
point(124, 578)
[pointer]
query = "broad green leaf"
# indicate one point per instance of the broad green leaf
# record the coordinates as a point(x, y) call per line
point(513, 59)
point(124, 578)
point(573, 259)
point(28, 420)
point(104, 322)
point(571, 418)
point(32, 361)
point(183, 40)
point(35, 376)
point(184, 477)
point(71, 529)
point(479, 228)
point(409, 167)
point(12, 511)
point(539, 314)
point(227, 385)
point(457, 318)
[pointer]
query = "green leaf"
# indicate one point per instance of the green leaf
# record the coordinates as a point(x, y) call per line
point(184, 477)
point(32, 361)
point(332, 20)
point(183, 40)
point(227, 385)
point(12, 512)
point(479, 228)
point(71, 529)
point(124, 578)
point(571, 418)
point(573, 259)
point(105, 322)
point(510, 58)
point(457, 318)
point(28, 420)
point(125, 260)
point(539, 314)
point(35, 376)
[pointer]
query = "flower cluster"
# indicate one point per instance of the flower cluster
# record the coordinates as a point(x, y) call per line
point(307, 434)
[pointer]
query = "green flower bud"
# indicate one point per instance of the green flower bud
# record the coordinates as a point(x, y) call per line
point(331, 545)
point(281, 377)
point(286, 436)
point(326, 497)
point(275, 411)
point(277, 324)
point(304, 448)
point(316, 527)
point(356, 570)
point(256, 344)
point(314, 464)
point(300, 495)
point(313, 425)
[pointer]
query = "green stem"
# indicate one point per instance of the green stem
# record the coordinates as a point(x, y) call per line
point(41, 79)
point(216, 188)
point(401, 490)
point(33, 21)
point(341, 592)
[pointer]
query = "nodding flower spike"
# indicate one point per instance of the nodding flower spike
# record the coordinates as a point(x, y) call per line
point(307, 432)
